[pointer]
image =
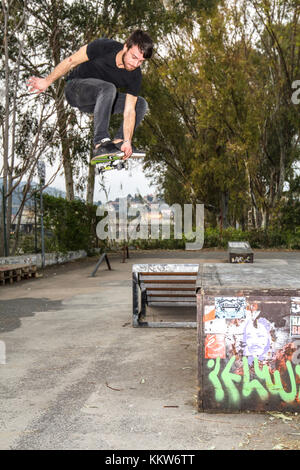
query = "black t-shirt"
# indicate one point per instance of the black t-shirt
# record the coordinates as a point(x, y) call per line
point(102, 64)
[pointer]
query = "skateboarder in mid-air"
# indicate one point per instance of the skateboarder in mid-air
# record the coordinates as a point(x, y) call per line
point(94, 75)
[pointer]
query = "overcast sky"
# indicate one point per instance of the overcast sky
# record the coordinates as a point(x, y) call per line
point(117, 183)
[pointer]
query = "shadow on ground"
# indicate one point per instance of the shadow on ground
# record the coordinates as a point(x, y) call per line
point(11, 311)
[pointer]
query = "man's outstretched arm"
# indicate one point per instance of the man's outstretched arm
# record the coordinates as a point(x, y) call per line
point(129, 123)
point(38, 85)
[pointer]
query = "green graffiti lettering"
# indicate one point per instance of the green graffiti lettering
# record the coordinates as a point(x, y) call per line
point(271, 386)
point(213, 377)
point(286, 396)
point(264, 374)
point(228, 379)
point(276, 387)
point(297, 370)
point(250, 385)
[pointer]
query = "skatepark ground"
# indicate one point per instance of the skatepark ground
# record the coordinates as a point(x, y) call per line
point(79, 376)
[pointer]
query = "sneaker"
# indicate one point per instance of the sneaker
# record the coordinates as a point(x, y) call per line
point(106, 148)
point(135, 151)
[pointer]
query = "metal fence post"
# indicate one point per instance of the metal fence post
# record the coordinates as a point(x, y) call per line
point(4, 223)
point(42, 176)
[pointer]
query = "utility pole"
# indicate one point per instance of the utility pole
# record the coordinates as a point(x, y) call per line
point(42, 176)
point(35, 222)
point(4, 222)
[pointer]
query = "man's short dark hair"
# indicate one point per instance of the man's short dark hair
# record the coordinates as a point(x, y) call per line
point(142, 40)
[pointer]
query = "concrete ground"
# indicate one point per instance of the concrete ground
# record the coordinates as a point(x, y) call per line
point(78, 376)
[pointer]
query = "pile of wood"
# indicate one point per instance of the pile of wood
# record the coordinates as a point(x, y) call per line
point(10, 273)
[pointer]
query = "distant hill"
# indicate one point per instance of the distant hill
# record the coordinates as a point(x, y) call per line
point(17, 194)
point(17, 197)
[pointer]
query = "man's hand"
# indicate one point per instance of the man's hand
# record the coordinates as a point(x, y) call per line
point(128, 126)
point(38, 85)
point(127, 149)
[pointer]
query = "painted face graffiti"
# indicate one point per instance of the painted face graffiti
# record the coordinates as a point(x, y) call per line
point(257, 339)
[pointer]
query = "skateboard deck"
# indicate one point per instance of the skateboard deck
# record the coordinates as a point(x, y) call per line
point(110, 162)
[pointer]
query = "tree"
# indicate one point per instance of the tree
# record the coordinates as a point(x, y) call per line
point(23, 127)
point(277, 24)
point(226, 126)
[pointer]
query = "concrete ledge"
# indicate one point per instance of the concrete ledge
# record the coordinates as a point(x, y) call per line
point(50, 258)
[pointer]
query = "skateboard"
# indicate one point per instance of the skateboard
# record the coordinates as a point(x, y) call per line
point(110, 162)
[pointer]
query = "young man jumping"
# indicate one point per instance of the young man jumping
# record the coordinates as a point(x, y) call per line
point(94, 76)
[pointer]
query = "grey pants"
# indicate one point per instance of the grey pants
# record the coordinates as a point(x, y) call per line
point(102, 99)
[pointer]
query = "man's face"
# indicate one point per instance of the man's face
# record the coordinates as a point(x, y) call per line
point(132, 58)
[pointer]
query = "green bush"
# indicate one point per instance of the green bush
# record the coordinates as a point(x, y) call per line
point(293, 239)
point(167, 244)
point(72, 223)
point(273, 238)
point(214, 237)
point(26, 244)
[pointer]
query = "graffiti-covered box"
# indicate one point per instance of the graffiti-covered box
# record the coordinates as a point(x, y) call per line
point(248, 337)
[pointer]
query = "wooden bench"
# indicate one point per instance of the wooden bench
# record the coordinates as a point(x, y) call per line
point(240, 252)
point(10, 273)
point(164, 285)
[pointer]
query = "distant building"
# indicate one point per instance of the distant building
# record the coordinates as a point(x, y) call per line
point(27, 221)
